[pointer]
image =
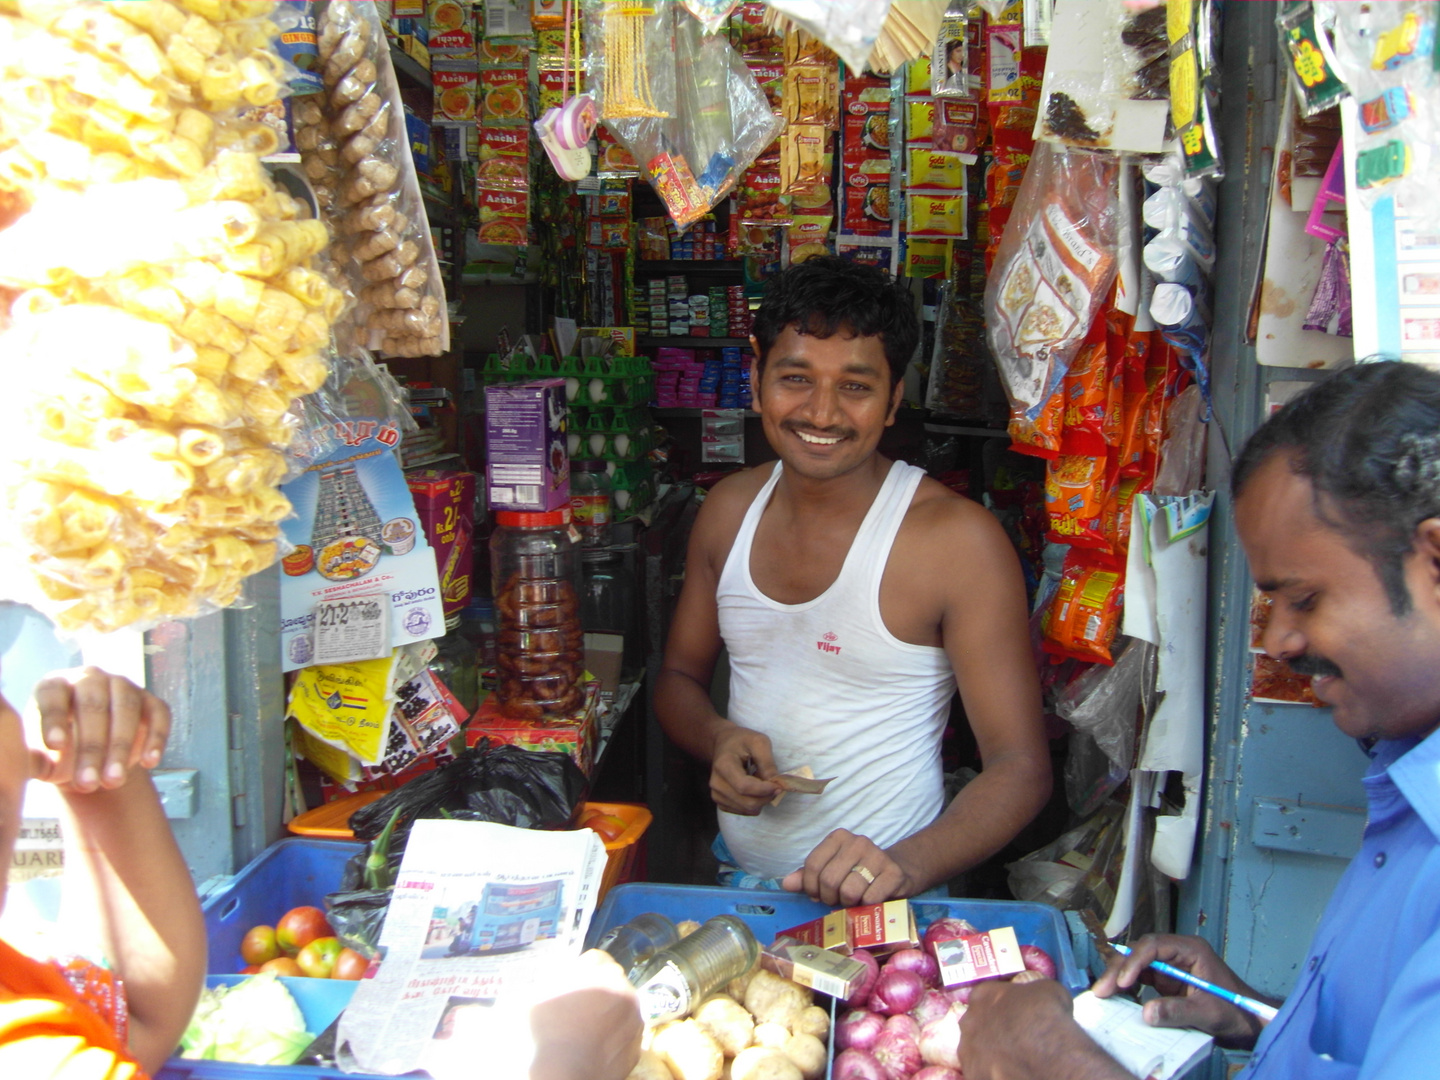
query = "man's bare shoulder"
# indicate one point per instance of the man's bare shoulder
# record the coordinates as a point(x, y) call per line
point(724, 508)
point(940, 521)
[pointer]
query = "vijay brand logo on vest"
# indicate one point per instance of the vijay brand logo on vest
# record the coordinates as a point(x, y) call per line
point(827, 644)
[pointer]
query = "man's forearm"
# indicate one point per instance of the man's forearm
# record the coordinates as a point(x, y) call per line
point(982, 819)
point(122, 862)
point(687, 715)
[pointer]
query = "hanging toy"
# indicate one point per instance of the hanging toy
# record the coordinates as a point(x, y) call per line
point(565, 131)
point(627, 71)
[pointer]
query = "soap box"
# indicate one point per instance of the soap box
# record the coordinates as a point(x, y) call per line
point(527, 467)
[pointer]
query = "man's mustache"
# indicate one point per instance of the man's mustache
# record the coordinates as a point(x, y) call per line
point(1313, 666)
point(809, 429)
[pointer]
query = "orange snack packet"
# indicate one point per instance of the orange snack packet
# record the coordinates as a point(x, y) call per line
point(1075, 498)
point(1084, 616)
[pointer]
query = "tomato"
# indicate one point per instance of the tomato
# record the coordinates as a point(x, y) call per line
point(607, 825)
point(250, 969)
point(282, 965)
point(317, 958)
point(350, 965)
point(259, 945)
point(300, 926)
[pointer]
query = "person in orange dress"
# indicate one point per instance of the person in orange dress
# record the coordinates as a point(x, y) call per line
point(127, 893)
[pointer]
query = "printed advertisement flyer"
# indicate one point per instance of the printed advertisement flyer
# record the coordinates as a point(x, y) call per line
point(356, 534)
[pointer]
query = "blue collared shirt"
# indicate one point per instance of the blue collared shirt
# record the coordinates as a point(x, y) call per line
point(1367, 1004)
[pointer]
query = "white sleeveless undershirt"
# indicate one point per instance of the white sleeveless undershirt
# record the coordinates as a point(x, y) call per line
point(835, 690)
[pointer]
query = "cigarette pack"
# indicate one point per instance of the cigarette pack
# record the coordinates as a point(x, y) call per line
point(883, 928)
point(970, 958)
point(810, 965)
point(827, 932)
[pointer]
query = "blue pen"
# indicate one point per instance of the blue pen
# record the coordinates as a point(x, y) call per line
point(1249, 1004)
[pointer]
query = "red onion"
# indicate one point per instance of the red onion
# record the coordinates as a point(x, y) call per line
point(866, 985)
point(856, 1064)
point(922, 963)
point(898, 1054)
point(932, 1005)
point(940, 1042)
point(937, 1072)
point(905, 1025)
point(859, 1029)
point(1027, 976)
point(896, 992)
point(1037, 959)
point(944, 928)
point(960, 995)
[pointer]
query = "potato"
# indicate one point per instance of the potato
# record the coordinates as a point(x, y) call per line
point(773, 1036)
point(689, 1051)
point(808, 1054)
point(812, 1021)
point(726, 1019)
point(762, 1063)
point(737, 986)
point(771, 998)
point(650, 1067)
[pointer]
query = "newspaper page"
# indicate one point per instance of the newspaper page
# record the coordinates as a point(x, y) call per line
point(480, 913)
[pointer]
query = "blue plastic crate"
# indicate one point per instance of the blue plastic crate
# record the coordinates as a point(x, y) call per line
point(289, 874)
point(767, 913)
point(285, 875)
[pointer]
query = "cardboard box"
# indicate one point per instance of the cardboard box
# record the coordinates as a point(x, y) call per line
point(604, 654)
point(970, 958)
point(527, 467)
point(815, 967)
point(883, 928)
point(576, 737)
point(828, 932)
point(445, 504)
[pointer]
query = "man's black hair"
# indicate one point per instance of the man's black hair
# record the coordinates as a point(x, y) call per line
point(1368, 440)
point(826, 295)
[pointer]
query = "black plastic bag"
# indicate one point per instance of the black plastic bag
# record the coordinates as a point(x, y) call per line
point(357, 917)
point(530, 789)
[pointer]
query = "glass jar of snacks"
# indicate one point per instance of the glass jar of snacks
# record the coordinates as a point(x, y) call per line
point(535, 567)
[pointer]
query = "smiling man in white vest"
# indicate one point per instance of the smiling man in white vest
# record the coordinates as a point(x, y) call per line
point(853, 595)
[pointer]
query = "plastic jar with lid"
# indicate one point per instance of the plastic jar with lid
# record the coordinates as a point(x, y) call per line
point(540, 652)
point(590, 502)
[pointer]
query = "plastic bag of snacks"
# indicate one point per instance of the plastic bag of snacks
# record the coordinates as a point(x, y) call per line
point(355, 151)
point(162, 307)
point(1052, 271)
point(683, 103)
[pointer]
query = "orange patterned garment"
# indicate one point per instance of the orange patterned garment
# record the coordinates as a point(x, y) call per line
point(49, 1030)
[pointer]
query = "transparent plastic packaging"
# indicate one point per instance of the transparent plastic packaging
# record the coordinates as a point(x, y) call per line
point(354, 150)
point(1055, 264)
point(535, 567)
point(683, 103)
point(154, 357)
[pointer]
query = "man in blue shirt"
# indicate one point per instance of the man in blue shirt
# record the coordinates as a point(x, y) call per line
point(1337, 503)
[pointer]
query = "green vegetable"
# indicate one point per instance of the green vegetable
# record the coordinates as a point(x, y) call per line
point(377, 863)
point(255, 1022)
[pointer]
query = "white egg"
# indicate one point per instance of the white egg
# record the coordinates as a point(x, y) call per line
point(622, 499)
point(597, 443)
point(597, 389)
point(622, 444)
point(572, 389)
point(572, 443)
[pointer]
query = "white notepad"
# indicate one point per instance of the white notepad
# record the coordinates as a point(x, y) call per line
point(1151, 1053)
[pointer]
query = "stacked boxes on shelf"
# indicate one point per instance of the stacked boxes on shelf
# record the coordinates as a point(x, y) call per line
point(661, 240)
point(701, 378)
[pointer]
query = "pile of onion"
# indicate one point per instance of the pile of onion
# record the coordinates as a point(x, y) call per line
point(901, 1024)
